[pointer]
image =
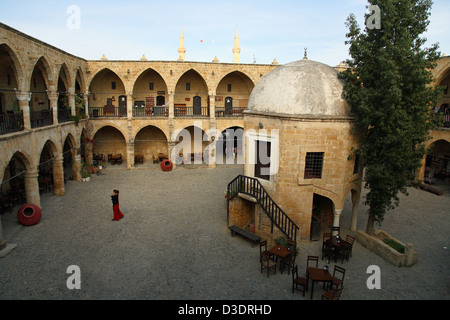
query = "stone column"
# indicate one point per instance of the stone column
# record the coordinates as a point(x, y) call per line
point(76, 167)
point(32, 187)
point(53, 97)
point(354, 221)
point(130, 154)
point(58, 176)
point(336, 219)
point(129, 106)
point(212, 106)
point(86, 106)
point(171, 105)
point(24, 105)
point(71, 100)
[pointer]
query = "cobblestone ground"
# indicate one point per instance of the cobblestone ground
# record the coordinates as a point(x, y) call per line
point(173, 243)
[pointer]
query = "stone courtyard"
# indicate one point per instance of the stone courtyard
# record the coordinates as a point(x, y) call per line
point(173, 243)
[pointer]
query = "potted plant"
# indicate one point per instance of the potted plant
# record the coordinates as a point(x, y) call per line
point(101, 164)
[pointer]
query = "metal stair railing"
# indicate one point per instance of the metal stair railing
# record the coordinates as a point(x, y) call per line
point(252, 187)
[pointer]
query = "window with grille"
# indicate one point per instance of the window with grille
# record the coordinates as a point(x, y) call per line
point(313, 165)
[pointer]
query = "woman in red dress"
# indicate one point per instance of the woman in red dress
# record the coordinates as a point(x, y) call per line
point(115, 200)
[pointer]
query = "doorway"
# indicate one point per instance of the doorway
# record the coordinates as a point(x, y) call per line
point(197, 105)
point(122, 106)
point(228, 105)
point(262, 161)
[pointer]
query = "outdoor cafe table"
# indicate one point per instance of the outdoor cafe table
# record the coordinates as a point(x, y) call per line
point(338, 245)
point(318, 275)
point(280, 251)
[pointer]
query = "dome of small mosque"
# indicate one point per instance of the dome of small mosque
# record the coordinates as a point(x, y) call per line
point(300, 88)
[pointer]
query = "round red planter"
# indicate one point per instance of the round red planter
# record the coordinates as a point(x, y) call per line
point(29, 214)
point(166, 165)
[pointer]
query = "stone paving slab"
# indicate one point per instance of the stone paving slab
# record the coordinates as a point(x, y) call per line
point(173, 243)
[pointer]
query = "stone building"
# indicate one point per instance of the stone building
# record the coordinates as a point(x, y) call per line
point(298, 143)
point(57, 111)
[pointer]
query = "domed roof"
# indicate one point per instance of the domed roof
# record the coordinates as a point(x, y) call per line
point(304, 87)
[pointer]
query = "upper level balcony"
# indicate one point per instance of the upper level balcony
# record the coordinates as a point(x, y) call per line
point(11, 122)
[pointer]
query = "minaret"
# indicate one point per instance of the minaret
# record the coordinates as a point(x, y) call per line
point(181, 49)
point(236, 50)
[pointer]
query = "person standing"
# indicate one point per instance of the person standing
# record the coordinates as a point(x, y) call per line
point(115, 200)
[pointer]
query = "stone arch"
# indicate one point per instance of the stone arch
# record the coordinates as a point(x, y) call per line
point(71, 164)
point(80, 78)
point(191, 142)
point(149, 141)
point(44, 67)
point(64, 72)
point(22, 156)
point(17, 66)
point(109, 139)
point(230, 146)
point(105, 87)
point(437, 161)
point(190, 84)
point(149, 83)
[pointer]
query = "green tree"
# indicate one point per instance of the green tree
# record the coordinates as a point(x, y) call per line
point(388, 89)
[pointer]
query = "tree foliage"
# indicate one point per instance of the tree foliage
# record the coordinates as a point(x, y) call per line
point(388, 89)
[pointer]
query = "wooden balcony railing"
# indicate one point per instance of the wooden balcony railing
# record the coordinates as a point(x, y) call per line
point(191, 112)
point(11, 122)
point(107, 111)
point(229, 112)
point(64, 115)
point(158, 111)
point(41, 118)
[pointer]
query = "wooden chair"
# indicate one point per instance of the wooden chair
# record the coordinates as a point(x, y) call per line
point(298, 281)
point(267, 263)
point(287, 262)
point(326, 236)
point(350, 240)
point(155, 159)
point(312, 259)
point(109, 157)
point(291, 244)
point(119, 160)
point(338, 277)
point(328, 250)
point(333, 294)
point(263, 250)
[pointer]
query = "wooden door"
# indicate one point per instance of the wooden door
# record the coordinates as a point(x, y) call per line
point(262, 162)
point(228, 105)
point(122, 106)
point(197, 104)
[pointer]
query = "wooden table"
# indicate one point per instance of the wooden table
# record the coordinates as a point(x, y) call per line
point(339, 244)
point(318, 275)
point(138, 158)
point(116, 158)
point(280, 251)
point(161, 157)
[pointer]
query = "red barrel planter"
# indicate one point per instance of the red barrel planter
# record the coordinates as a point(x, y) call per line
point(166, 165)
point(29, 214)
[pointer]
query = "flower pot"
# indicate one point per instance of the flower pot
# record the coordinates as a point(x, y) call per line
point(166, 165)
point(29, 214)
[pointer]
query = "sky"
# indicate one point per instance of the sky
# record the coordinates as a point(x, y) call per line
point(268, 30)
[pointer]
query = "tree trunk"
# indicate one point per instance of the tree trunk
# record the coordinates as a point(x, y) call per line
point(370, 223)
